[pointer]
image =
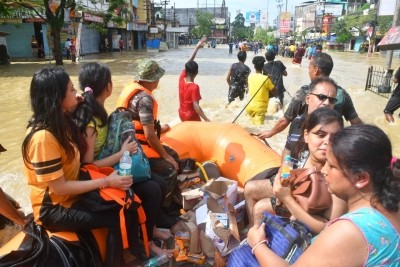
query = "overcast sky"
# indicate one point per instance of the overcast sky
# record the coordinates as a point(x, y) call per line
point(242, 5)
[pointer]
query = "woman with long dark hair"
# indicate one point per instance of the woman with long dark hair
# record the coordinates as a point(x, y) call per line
point(52, 160)
point(361, 171)
point(91, 116)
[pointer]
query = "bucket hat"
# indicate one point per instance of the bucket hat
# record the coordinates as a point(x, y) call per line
point(149, 71)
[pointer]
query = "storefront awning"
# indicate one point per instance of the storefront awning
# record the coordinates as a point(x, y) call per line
point(391, 40)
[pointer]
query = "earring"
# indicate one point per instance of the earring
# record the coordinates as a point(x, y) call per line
point(358, 185)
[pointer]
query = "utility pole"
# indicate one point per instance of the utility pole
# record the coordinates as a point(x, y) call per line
point(174, 16)
point(214, 8)
point(165, 19)
point(396, 22)
point(279, 6)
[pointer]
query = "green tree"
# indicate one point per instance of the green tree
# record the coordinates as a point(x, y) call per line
point(55, 18)
point(239, 30)
point(359, 21)
point(204, 24)
point(264, 36)
point(343, 35)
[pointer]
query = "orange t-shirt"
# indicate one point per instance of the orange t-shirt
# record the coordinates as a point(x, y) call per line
point(48, 163)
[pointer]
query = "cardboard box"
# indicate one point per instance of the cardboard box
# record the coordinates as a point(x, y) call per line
point(223, 190)
point(223, 238)
point(190, 198)
point(207, 246)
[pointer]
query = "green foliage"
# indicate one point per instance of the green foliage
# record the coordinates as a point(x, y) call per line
point(263, 36)
point(40, 8)
point(358, 21)
point(384, 24)
point(204, 24)
point(239, 30)
point(343, 35)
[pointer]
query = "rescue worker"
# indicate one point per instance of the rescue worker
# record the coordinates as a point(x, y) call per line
point(138, 97)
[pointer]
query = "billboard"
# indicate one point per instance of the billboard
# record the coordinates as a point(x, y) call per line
point(387, 7)
point(252, 16)
point(284, 22)
point(334, 10)
point(264, 18)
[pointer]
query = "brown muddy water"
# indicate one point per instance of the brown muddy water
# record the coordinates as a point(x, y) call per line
point(350, 71)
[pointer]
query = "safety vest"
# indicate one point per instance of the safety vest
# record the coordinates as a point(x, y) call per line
point(123, 101)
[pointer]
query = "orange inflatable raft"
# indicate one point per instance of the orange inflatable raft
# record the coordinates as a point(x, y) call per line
point(238, 155)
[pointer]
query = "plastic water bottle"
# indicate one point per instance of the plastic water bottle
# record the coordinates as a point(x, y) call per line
point(156, 261)
point(285, 170)
point(125, 164)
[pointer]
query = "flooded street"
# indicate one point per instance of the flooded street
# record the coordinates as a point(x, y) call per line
point(350, 71)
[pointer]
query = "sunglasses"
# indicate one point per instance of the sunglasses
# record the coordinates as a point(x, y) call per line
point(322, 98)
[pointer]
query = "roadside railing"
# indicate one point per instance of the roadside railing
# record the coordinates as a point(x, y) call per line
point(379, 81)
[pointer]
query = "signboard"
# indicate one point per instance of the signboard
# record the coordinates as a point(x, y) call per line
point(335, 10)
point(284, 22)
point(264, 18)
point(93, 18)
point(252, 16)
point(140, 27)
point(386, 7)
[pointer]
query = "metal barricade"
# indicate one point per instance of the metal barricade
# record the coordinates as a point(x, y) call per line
point(379, 81)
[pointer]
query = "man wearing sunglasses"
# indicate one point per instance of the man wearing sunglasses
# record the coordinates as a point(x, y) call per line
point(320, 66)
point(322, 93)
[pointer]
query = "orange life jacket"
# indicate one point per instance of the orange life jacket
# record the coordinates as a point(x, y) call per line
point(123, 101)
point(123, 199)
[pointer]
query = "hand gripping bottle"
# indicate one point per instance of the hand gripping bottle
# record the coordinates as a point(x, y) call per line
point(156, 261)
point(125, 164)
point(285, 170)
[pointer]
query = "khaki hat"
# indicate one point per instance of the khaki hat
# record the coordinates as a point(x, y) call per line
point(149, 71)
point(2, 149)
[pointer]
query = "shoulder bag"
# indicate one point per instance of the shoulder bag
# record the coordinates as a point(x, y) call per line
point(310, 190)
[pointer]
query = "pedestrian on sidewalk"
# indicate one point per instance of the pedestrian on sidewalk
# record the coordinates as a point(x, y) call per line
point(67, 47)
point(34, 46)
point(72, 50)
point(394, 101)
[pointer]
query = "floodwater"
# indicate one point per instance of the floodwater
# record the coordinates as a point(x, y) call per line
point(350, 72)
